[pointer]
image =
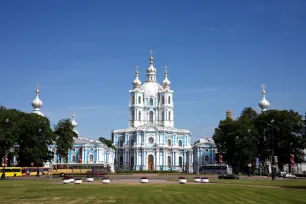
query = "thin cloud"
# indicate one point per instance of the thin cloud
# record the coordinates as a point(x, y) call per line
point(231, 31)
point(209, 28)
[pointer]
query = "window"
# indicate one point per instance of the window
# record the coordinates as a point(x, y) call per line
point(151, 117)
point(151, 101)
point(132, 142)
point(180, 143)
point(206, 150)
point(121, 143)
point(133, 100)
point(73, 158)
point(169, 142)
point(169, 99)
point(91, 158)
point(91, 149)
point(169, 115)
point(121, 161)
point(163, 116)
point(151, 140)
point(206, 159)
point(169, 161)
point(139, 99)
point(180, 161)
point(132, 114)
point(139, 115)
point(163, 100)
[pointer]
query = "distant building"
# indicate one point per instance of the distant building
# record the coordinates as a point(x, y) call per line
point(204, 151)
point(86, 151)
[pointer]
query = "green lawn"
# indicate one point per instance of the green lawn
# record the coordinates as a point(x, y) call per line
point(40, 191)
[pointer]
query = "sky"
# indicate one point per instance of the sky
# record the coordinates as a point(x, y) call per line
point(219, 53)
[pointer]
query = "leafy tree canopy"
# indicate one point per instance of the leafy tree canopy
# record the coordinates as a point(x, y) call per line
point(107, 142)
point(64, 137)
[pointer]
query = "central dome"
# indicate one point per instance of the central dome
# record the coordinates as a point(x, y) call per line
point(151, 89)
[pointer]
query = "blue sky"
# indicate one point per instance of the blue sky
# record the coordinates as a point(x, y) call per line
point(218, 53)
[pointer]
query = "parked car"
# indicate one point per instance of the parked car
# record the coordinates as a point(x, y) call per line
point(228, 176)
point(290, 176)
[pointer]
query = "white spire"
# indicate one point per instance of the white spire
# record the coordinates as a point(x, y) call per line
point(166, 82)
point(136, 82)
point(151, 71)
point(263, 104)
point(74, 123)
point(37, 103)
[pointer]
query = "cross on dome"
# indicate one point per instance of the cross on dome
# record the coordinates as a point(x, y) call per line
point(263, 89)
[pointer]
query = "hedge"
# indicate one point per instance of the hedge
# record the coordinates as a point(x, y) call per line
point(145, 171)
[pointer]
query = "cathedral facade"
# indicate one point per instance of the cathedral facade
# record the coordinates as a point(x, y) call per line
point(151, 142)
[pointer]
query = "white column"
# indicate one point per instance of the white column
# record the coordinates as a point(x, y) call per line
point(83, 155)
point(157, 159)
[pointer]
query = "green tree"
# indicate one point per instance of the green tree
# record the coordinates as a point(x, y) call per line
point(64, 138)
point(35, 136)
point(8, 130)
point(284, 134)
point(107, 142)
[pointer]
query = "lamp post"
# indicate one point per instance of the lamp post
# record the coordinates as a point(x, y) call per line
point(273, 160)
point(38, 160)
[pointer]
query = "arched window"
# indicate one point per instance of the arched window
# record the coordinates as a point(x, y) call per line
point(163, 116)
point(163, 100)
point(139, 99)
point(151, 117)
point(169, 142)
point(180, 161)
point(206, 159)
point(169, 161)
point(139, 115)
point(180, 143)
point(91, 158)
point(169, 116)
point(169, 99)
point(151, 101)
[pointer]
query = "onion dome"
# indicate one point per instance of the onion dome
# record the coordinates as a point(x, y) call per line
point(166, 82)
point(263, 104)
point(136, 82)
point(74, 123)
point(151, 71)
point(37, 103)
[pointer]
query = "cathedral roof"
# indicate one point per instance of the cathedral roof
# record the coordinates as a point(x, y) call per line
point(151, 89)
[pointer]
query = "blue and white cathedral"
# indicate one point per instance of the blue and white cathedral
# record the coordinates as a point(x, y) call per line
point(151, 142)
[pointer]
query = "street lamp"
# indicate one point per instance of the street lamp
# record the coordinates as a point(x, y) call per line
point(273, 160)
point(5, 153)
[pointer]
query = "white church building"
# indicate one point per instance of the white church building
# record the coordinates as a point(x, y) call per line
point(151, 142)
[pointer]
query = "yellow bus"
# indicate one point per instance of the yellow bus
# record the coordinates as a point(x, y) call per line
point(32, 171)
point(11, 171)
